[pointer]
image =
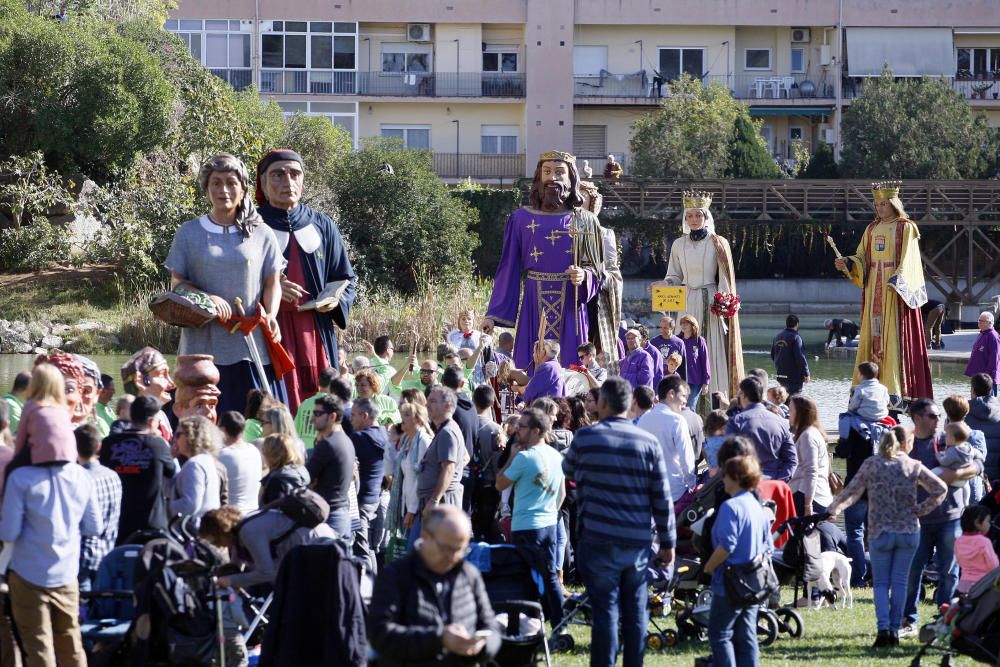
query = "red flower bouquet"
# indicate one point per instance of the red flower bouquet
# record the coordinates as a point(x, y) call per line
point(725, 305)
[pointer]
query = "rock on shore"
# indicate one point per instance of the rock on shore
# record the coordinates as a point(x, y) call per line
point(17, 337)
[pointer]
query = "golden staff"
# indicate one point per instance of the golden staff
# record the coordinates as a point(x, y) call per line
point(836, 251)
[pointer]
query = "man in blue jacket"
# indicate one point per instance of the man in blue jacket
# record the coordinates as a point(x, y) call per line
point(789, 357)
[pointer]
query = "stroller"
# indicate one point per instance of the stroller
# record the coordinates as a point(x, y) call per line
point(968, 626)
point(515, 591)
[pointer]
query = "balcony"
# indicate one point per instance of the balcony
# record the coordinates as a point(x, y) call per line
point(969, 88)
point(478, 165)
point(642, 87)
point(237, 78)
point(392, 84)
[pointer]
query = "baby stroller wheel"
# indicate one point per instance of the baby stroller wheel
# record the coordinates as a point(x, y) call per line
point(562, 643)
point(670, 638)
point(790, 621)
point(655, 641)
point(767, 627)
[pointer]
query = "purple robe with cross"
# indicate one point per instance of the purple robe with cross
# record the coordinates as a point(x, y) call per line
point(537, 250)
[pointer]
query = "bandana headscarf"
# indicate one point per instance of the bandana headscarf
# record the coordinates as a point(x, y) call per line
point(140, 363)
point(277, 155)
point(66, 363)
point(90, 369)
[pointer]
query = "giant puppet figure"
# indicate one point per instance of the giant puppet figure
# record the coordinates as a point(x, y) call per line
point(887, 268)
point(554, 249)
point(702, 261)
point(318, 286)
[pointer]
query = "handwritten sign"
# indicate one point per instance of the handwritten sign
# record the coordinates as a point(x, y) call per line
point(669, 299)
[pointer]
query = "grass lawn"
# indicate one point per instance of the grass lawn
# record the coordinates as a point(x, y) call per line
point(841, 637)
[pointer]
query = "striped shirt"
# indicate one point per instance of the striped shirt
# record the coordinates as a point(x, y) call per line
point(108, 488)
point(622, 484)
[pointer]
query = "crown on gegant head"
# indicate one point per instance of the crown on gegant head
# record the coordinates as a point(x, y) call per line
point(557, 155)
point(886, 189)
point(693, 199)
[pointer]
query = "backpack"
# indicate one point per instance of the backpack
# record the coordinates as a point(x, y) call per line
point(305, 507)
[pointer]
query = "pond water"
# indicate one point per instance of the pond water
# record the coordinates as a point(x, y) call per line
point(831, 378)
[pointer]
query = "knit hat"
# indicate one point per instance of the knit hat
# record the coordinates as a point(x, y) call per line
point(277, 155)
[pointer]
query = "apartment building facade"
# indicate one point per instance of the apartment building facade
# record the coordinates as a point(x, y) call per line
point(486, 85)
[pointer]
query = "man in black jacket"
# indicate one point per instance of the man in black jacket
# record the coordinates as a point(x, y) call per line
point(431, 607)
point(789, 357)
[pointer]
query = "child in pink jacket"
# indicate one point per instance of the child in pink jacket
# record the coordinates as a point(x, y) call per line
point(973, 549)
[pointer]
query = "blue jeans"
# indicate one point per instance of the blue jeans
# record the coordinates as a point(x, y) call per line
point(340, 521)
point(562, 539)
point(615, 576)
point(732, 634)
point(693, 397)
point(854, 526)
point(539, 545)
point(939, 537)
point(892, 555)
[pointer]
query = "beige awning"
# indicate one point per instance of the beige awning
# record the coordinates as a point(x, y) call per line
point(906, 51)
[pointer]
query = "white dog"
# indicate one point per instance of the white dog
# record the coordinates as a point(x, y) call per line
point(835, 578)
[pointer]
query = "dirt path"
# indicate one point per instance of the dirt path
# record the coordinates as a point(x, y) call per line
point(57, 276)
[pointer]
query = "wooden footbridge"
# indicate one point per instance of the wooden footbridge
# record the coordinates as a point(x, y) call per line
point(959, 220)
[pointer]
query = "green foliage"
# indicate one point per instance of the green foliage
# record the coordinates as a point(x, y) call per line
point(494, 206)
point(85, 96)
point(912, 129)
point(322, 146)
point(748, 151)
point(822, 164)
point(405, 227)
point(107, 10)
point(29, 189)
point(33, 247)
point(690, 135)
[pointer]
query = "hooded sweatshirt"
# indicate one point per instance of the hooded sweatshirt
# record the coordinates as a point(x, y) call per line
point(976, 557)
point(984, 415)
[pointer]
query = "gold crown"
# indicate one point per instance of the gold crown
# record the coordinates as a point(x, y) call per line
point(557, 155)
point(694, 199)
point(886, 189)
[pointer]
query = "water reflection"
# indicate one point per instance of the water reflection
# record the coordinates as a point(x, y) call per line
point(831, 378)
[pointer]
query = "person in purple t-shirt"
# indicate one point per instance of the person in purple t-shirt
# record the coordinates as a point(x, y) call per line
point(654, 353)
point(985, 357)
point(637, 366)
point(667, 343)
point(698, 369)
point(547, 378)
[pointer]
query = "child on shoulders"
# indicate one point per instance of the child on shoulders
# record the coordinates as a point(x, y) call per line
point(870, 400)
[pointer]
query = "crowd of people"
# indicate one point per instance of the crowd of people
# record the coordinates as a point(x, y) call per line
point(580, 450)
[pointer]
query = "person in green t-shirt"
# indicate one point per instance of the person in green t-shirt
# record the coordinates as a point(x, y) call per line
point(369, 385)
point(105, 408)
point(15, 398)
point(303, 417)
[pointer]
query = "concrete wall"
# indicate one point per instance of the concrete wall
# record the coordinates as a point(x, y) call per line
point(438, 117)
point(549, 47)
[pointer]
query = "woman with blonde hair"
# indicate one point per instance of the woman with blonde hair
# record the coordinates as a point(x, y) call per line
point(368, 384)
point(891, 480)
point(285, 464)
point(275, 418)
point(413, 445)
point(219, 257)
point(198, 486)
point(699, 366)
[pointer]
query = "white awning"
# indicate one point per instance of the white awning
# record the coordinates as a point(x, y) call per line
point(907, 51)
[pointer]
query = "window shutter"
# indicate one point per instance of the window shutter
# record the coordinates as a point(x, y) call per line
point(590, 140)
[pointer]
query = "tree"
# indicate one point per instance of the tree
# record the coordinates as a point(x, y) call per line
point(107, 10)
point(750, 157)
point(85, 96)
point(690, 135)
point(822, 164)
point(323, 147)
point(404, 228)
point(912, 129)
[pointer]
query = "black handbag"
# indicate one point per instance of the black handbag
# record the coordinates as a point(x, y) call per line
point(750, 584)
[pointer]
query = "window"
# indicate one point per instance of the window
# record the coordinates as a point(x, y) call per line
point(795, 134)
point(498, 139)
point(674, 62)
point(768, 134)
point(798, 61)
point(500, 59)
point(590, 141)
point(222, 45)
point(977, 61)
point(342, 114)
point(589, 60)
point(406, 58)
point(414, 136)
point(313, 45)
point(757, 59)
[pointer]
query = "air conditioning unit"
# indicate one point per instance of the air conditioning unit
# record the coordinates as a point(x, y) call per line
point(418, 32)
point(800, 35)
point(825, 56)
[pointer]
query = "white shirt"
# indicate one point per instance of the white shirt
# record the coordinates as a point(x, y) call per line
point(243, 465)
point(671, 431)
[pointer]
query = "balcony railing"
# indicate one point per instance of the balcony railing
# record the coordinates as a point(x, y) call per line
point(479, 165)
point(237, 78)
point(392, 84)
point(743, 86)
point(970, 89)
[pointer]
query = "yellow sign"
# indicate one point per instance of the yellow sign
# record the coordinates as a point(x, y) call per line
point(669, 299)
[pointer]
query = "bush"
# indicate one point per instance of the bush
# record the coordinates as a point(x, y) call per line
point(33, 247)
point(85, 96)
point(822, 164)
point(404, 228)
point(494, 206)
point(748, 151)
